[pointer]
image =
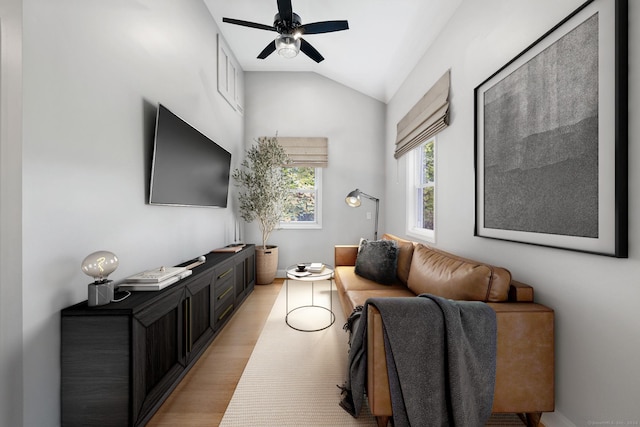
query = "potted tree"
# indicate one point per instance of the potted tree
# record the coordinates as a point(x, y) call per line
point(262, 198)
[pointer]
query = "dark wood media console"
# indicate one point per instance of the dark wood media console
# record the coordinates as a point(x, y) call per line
point(120, 361)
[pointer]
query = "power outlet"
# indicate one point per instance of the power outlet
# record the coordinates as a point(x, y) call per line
point(368, 215)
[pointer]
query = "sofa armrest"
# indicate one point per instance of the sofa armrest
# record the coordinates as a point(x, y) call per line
point(378, 393)
point(345, 255)
point(520, 292)
point(524, 360)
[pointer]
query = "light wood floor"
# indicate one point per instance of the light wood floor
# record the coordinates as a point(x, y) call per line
point(202, 396)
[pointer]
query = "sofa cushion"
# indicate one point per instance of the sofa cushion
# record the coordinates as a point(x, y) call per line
point(440, 273)
point(357, 298)
point(378, 261)
point(347, 279)
point(405, 253)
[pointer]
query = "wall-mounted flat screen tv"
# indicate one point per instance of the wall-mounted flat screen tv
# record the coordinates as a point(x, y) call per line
point(188, 168)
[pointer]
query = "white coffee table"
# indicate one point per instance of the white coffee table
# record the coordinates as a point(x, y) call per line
point(310, 279)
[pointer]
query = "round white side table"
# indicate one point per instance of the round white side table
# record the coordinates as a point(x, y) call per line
point(309, 278)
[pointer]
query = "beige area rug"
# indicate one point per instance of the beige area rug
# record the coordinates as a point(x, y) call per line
point(291, 376)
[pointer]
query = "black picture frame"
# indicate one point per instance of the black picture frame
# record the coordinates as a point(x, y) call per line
point(551, 138)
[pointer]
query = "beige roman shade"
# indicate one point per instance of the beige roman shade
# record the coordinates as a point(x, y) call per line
point(308, 152)
point(428, 117)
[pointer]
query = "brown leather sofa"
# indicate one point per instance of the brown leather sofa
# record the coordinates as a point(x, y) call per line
point(525, 330)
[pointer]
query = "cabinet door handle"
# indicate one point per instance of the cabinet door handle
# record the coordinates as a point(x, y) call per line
point(225, 292)
point(225, 312)
point(190, 299)
point(185, 326)
point(222, 275)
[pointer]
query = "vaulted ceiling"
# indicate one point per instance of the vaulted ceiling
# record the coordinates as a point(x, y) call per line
point(385, 40)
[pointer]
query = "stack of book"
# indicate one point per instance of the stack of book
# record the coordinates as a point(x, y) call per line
point(154, 280)
point(316, 267)
point(233, 248)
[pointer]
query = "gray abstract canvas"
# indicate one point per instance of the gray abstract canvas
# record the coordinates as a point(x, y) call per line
point(541, 141)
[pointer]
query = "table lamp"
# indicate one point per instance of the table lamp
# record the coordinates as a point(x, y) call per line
point(99, 265)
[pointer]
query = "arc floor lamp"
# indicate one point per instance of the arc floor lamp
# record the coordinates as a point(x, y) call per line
point(353, 200)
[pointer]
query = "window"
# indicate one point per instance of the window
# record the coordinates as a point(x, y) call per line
point(421, 185)
point(304, 209)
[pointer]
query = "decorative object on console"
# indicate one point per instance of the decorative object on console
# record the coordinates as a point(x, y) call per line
point(153, 284)
point(237, 235)
point(230, 248)
point(353, 200)
point(156, 275)
point(201, 260)
point(262, 198)
point(551, 138)
point(160, 278)
point(100, 265)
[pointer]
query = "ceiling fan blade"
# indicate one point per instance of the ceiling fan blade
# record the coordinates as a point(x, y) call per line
point(285, 10)
point(324, 27)
point(271, 47)
point(309, 50)
point(249, 24)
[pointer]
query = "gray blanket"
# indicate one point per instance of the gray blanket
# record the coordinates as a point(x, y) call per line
point(440, 360)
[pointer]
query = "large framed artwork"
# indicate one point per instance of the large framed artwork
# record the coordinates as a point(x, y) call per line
point(551, 138)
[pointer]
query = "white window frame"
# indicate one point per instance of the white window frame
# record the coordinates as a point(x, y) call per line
point(412, 185)
point(309, 225)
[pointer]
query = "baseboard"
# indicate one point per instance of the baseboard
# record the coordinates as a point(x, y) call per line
point(555, 419)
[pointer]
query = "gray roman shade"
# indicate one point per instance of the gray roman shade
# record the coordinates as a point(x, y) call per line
point(308, 152)
point(428, 117)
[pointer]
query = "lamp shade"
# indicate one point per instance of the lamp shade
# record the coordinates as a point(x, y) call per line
point(353, 198)
point(99, 265)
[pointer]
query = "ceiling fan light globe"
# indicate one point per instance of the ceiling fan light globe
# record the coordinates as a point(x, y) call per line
point(287, 45)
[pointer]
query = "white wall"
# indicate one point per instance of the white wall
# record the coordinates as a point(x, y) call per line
point(307, 104)
point(595, 297)
point(10, 212)
point(93, 72)
point(93, 75)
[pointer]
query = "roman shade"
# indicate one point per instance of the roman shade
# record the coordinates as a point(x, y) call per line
point(428, 117)
point(306, 152)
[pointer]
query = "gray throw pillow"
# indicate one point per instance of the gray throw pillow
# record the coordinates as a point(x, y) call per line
point(378, 261)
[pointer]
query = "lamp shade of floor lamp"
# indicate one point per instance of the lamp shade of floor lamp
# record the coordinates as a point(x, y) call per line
point(353, 200)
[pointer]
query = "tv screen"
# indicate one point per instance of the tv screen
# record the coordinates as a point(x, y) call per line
point(188, 169)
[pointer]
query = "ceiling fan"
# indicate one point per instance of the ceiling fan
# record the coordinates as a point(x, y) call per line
point(290, 29)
